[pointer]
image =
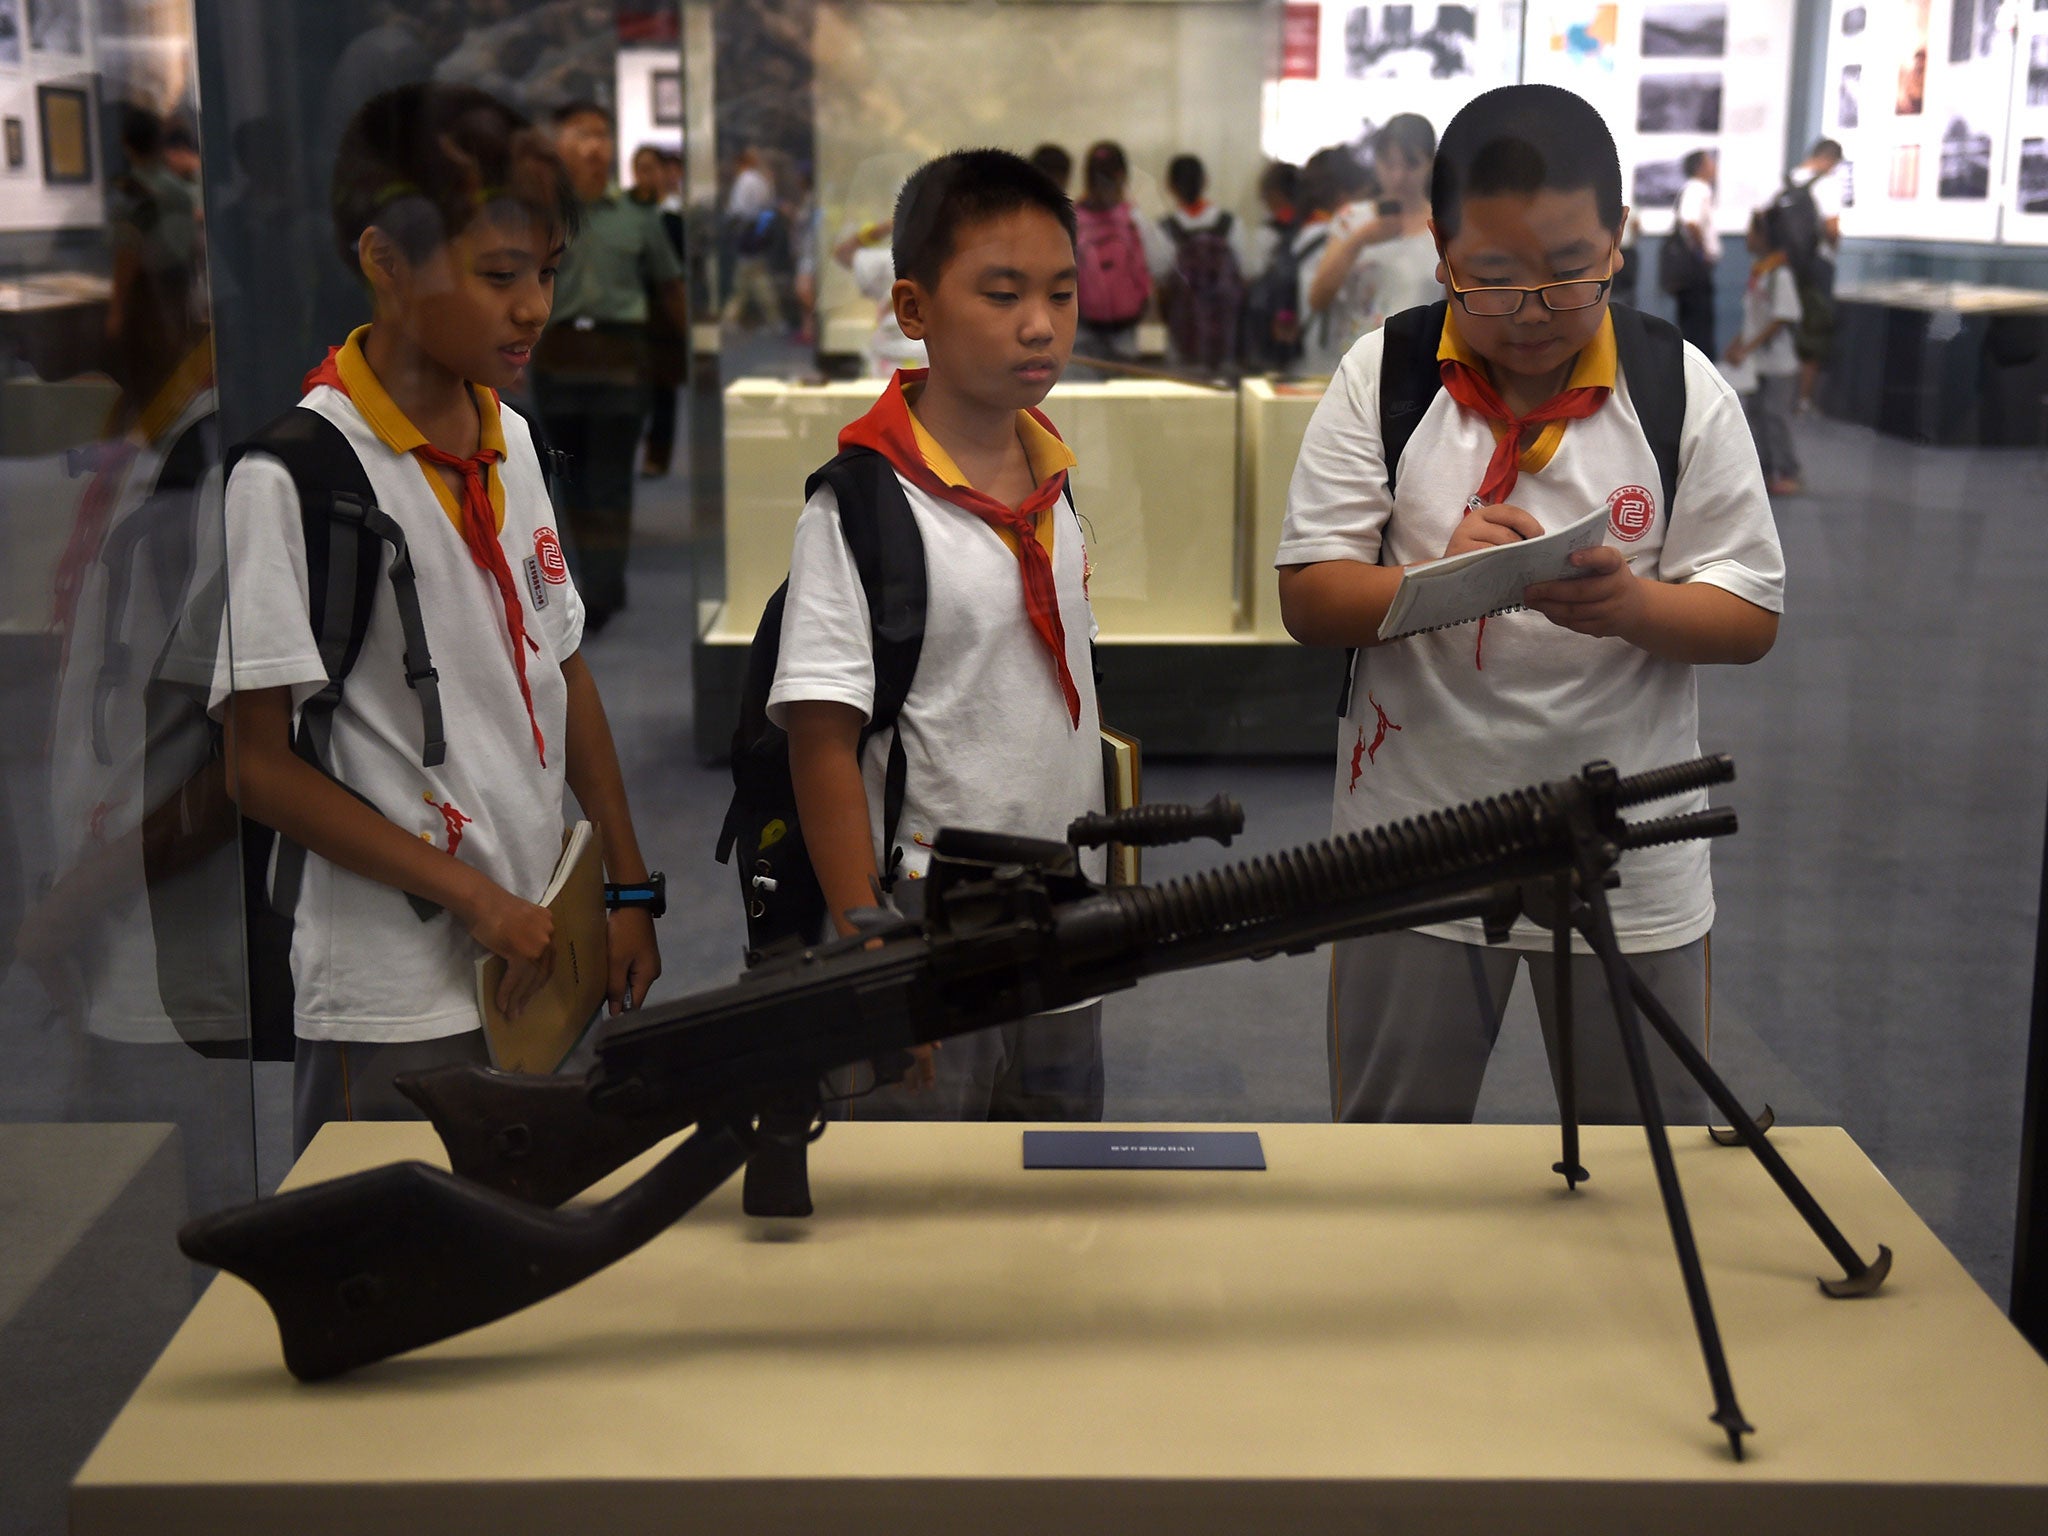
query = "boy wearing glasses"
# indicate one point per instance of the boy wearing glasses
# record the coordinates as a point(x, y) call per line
point(1534, 426)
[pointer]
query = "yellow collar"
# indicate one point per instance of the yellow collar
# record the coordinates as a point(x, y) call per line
point(1043, 451)
point(396, 431)
point(1594, 368)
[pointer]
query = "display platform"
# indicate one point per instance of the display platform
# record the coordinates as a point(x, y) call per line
point(1393, 1328)
point(1952, 364)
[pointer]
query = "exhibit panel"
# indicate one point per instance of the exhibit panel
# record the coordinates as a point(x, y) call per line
point(1384, 1323)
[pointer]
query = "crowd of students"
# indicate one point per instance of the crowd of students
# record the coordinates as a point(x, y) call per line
point(1537, 401)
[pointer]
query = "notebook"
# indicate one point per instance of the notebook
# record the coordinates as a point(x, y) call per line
point(1122, 770)
point(1483, 582)
point(556, 1016)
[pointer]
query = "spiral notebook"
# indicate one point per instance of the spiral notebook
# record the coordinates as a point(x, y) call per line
point(1483, 582)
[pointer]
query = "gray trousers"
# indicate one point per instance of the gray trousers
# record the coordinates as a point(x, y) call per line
point(1413, 1020)
point(351, 1079)
point(1769, 409)
point(1047, 1067)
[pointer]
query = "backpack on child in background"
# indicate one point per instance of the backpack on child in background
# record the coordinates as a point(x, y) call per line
point(1204, 295)
point(1115, 281)
point(1794, 219)
point(1272, 303)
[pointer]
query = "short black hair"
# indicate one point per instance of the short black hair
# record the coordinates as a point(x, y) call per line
point(583, 106)
point(1188, 178)
point(1281, 179)
point(1408, 132)
point(422, 161)
point(1523, 139)
point(1105, 174)
point(968, 186)
point(1055, 162)
point(1697, 161)
point(1830, 147)
point(1332, 178)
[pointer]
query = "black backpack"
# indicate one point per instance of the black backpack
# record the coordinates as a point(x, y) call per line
point(1204, 294)
point(778, 887)
point(1650, 352)
point(1271, 340)
point(346, 538)
point(1794, 219)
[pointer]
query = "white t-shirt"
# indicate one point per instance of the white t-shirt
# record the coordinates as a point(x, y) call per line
point(874, 274)
point(1696, 207)
point(1428, 727)
point(1827, 200)
point(1325, 334)
point(364, 965)
point(988, 743)
point(1772, 296)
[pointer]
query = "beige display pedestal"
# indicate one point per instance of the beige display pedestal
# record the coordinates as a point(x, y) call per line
point(1274, 419)
point(1395, 1328)
point(1156, 482)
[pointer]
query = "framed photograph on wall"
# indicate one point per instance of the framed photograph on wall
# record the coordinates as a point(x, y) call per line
point(665, 93)
point(17, 144)
point(57, 26)
point(64, 116)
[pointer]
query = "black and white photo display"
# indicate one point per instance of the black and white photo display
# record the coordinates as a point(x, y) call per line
point(1685, 31)
point(1679, 104)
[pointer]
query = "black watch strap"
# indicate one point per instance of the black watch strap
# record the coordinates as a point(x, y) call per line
point(650, 894)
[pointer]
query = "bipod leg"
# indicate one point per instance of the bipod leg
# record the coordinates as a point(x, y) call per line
point(1861, 1279)
point(1567, 1073)
point(1598, 927)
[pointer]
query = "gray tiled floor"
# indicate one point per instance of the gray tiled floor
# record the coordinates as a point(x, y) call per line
point(1874, 948)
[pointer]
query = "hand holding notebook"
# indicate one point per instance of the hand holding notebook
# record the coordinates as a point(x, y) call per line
point(1482, 582)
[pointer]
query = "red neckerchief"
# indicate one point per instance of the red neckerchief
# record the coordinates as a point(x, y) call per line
point(886, 429)
point(479, 532)
point(1475, 392)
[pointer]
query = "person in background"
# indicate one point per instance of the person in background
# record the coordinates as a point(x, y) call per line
point(1201, 279)
point(1624, 289)
point(591, 369)
point(1056, 163)
point(1116, 257)
point(757, 235)
point(668, 349)
point(1272, 329)
point(1380, 258)
point(1330, 182)
point(1811, 253)
point(866, 255)
point(1695, 225)
point(805, 218)
point(1770, 318)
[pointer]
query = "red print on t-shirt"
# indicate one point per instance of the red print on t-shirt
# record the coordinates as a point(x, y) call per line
point(1630, 511)
point(451, 818)
point(548, 550)
point(1370, 753)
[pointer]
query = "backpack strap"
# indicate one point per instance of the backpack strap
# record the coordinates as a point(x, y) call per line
point(888, 552)
point(343, 528)
point(1652, 356)
point(1409, 381)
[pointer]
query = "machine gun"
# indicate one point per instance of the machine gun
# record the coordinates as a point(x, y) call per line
point(368, 1266)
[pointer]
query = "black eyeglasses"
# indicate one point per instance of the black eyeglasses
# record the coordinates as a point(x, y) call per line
point(1490, 303)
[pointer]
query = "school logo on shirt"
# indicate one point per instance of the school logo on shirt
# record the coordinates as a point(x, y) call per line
point(547, 549)
point(1630, 511)
point(534, 586)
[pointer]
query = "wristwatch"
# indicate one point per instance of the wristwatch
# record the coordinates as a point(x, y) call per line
point(651, 893)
